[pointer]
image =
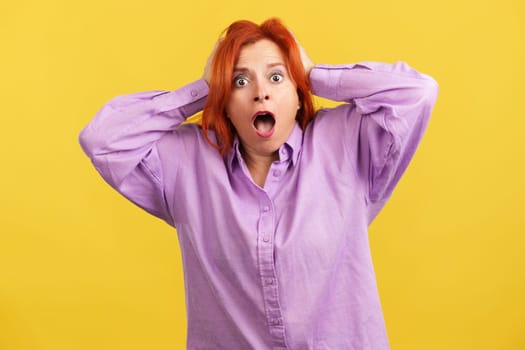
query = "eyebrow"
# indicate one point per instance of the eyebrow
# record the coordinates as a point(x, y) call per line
point(269, 65)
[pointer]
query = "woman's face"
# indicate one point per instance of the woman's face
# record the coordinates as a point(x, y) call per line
point(264, 100)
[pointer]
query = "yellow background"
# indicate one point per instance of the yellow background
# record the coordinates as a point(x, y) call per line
point(82, 268)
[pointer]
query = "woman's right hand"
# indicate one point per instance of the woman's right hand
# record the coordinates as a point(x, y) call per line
point(208, 68)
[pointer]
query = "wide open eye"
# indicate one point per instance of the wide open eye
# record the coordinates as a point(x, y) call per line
point(240, 81)
point(276, 77)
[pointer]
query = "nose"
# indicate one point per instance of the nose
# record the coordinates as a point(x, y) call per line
point(261, 93)
point(259, 98)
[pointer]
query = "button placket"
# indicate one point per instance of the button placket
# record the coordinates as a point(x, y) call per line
point(267, 274)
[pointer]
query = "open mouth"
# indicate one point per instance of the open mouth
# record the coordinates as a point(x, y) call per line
point(264, 123)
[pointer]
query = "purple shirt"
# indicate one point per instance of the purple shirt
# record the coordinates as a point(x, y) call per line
point(286, 266)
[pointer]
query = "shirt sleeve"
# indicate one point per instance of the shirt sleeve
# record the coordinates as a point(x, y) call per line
point(392, 106)
point(121, 141)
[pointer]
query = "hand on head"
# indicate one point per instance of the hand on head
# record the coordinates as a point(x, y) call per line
point(307, 61)
point(206, 75)
point(308, 64)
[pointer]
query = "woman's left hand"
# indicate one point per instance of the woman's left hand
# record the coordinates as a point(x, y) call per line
point(307, 61)
point(308, 64)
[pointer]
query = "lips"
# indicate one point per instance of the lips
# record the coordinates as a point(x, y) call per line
point(264, 123)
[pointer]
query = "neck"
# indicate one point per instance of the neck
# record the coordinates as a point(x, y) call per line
point(259, 165)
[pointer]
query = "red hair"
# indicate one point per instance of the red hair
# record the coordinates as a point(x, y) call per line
point(239, 34)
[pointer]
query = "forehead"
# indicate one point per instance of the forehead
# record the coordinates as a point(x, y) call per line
point(263, 50)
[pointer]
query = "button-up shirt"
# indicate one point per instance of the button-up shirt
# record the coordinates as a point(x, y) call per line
point(286, 265)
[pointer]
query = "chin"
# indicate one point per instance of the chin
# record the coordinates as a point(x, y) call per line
point(270, 147)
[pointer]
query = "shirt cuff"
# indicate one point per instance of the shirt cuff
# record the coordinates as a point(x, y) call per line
point(191, 97)
point(326, 79)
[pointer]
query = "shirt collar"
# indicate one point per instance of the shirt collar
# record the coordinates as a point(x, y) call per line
point(289, 150)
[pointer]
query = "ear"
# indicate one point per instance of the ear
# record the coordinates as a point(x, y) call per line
point(300, 98)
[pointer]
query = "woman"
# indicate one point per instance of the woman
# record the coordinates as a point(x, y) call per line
point(271, 200)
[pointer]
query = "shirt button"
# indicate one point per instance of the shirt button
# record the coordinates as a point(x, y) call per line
point(266, 239)
point(276, 322)
point(276, 173)
point(269, 281)
point(266, 208)
point(193, 93)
